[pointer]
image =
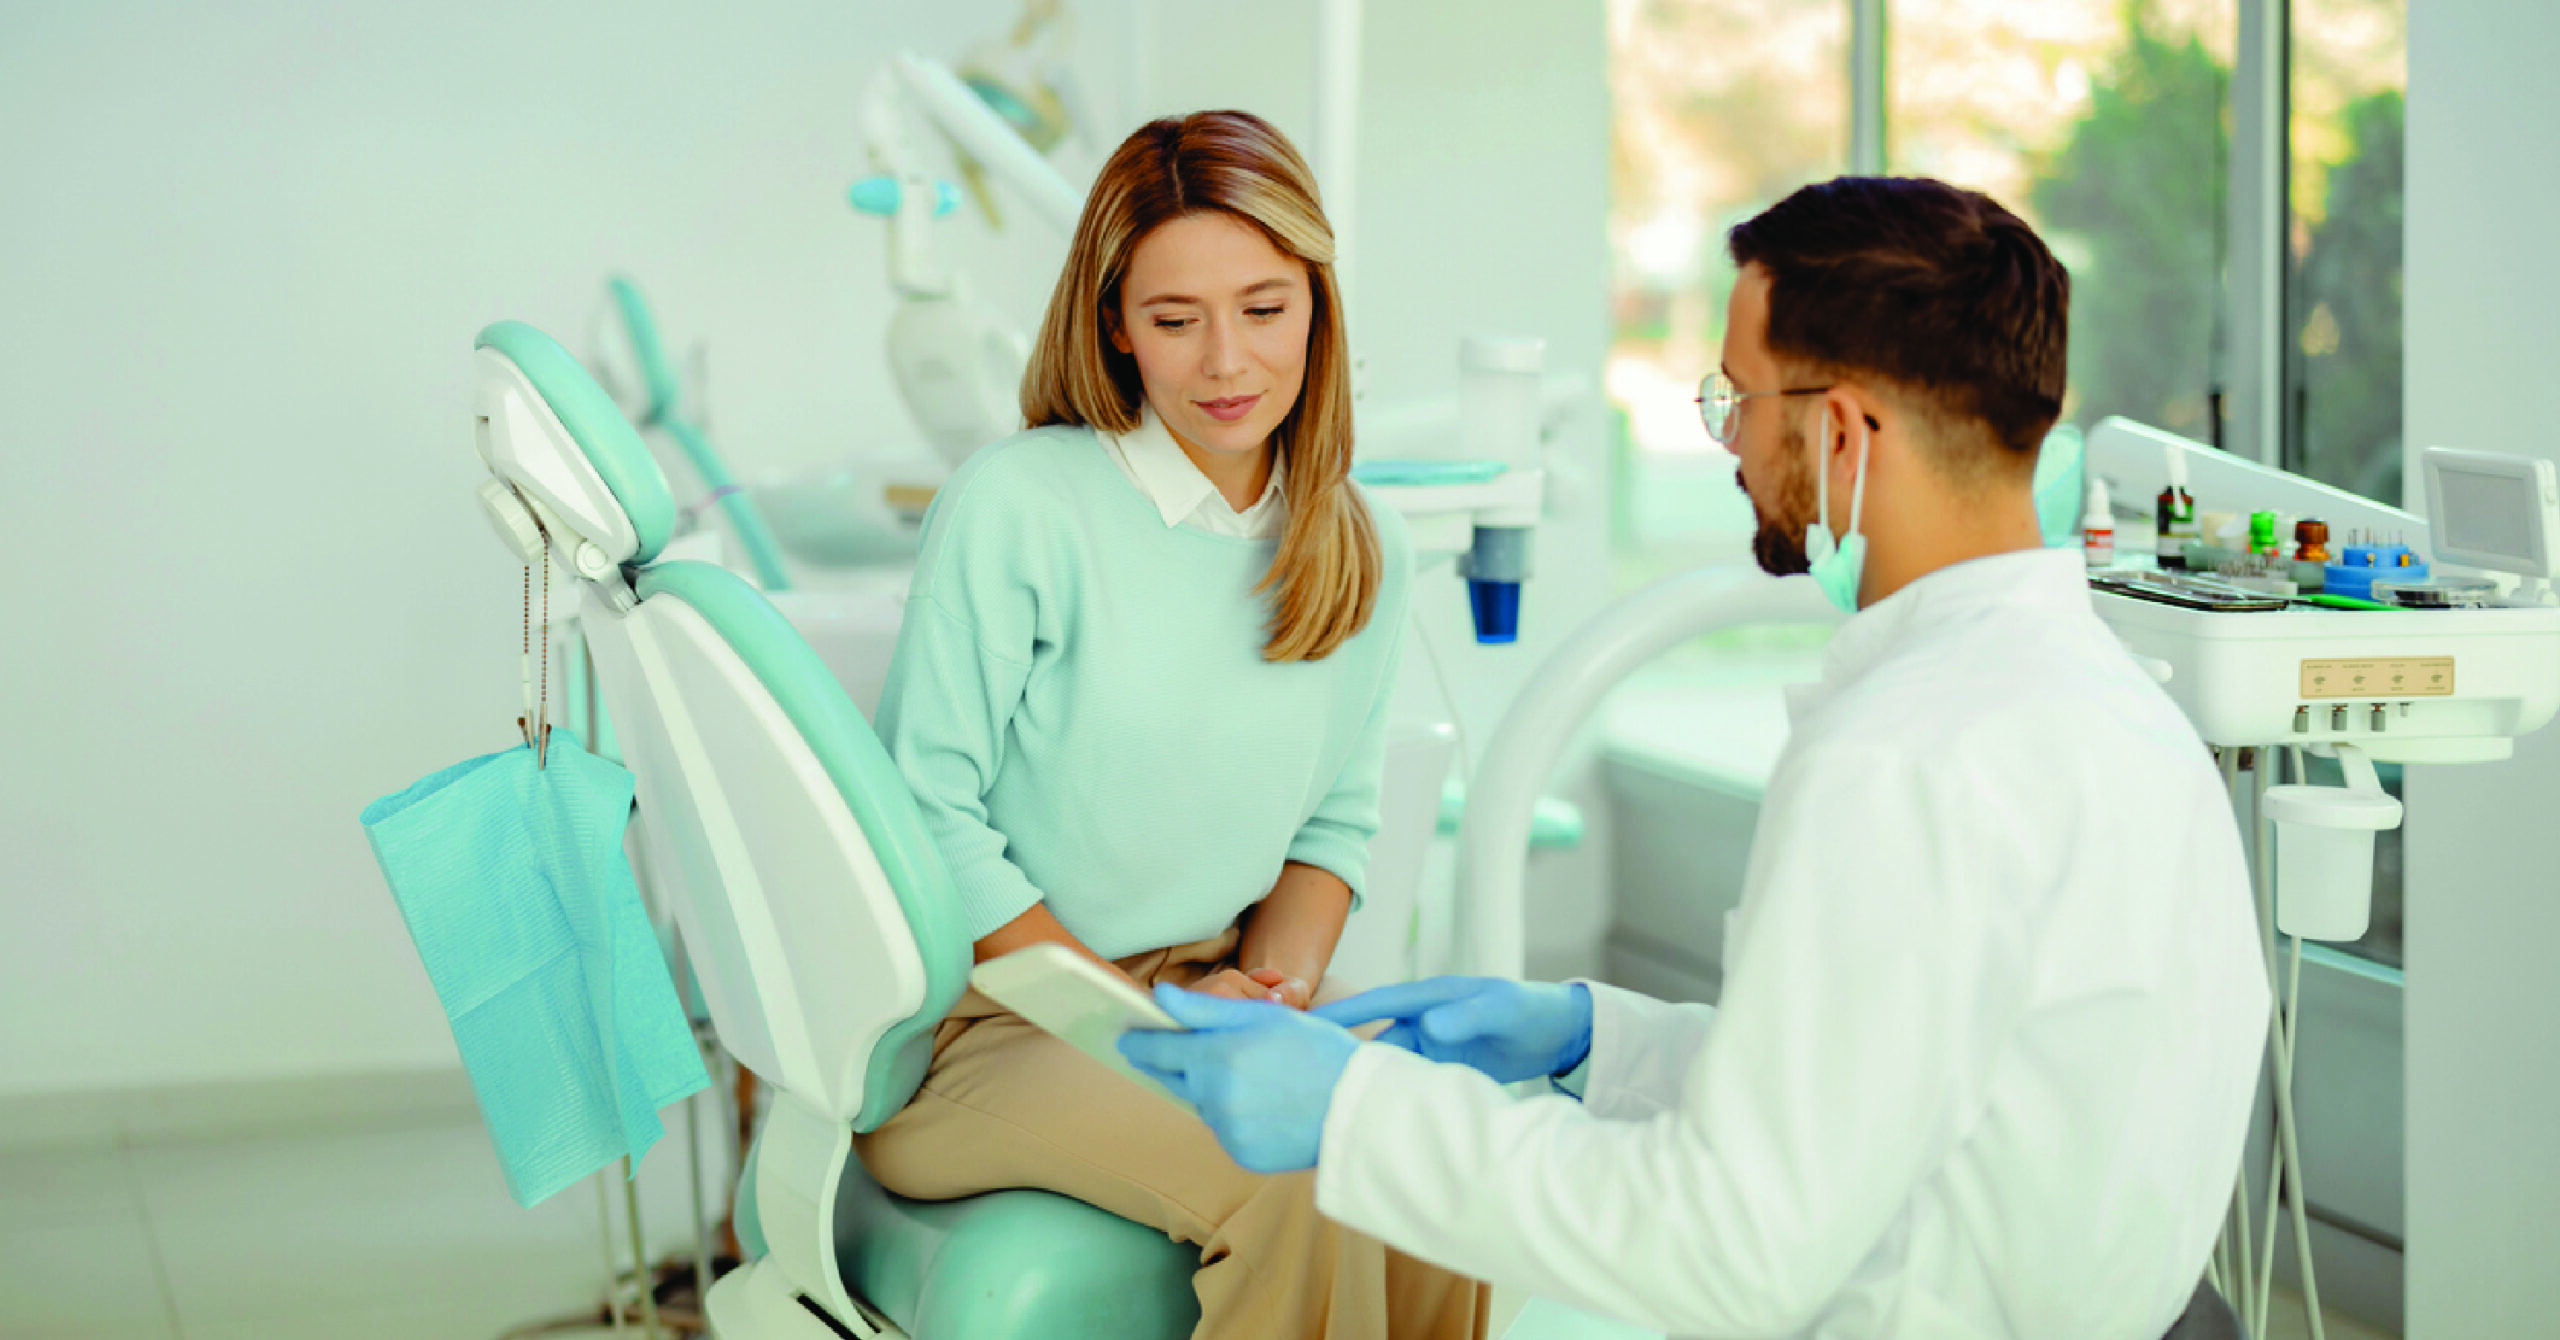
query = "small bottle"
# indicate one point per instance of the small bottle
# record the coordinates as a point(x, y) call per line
point(2098, 528)
point(2175, 512)
point(2311, 542)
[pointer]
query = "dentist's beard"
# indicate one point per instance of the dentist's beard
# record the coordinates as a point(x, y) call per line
point(1779, 543)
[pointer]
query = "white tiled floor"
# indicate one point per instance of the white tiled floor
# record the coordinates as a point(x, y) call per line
point(386, 1234)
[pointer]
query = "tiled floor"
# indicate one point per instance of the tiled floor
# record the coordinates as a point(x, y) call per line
point(385, 1234)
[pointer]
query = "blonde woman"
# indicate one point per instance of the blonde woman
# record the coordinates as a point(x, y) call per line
point(1140, 695)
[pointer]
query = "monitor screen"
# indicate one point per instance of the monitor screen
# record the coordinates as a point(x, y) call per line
point(2489, 513)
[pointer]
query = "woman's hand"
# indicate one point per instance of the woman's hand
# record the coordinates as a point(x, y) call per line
point(1289, 936)
point(1287, 990)
point(1235, 985)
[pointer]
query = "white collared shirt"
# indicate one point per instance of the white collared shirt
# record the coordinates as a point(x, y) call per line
point(1156, 463)
point(1990, 1028)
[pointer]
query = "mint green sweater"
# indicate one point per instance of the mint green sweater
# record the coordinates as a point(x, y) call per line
point(1079, 702)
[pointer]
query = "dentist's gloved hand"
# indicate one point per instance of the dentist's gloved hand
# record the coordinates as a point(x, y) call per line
point(1509, 1030)
point(1260, 1073)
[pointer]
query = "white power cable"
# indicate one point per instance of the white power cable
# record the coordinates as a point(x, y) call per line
point(1466, 770)
point(2284, 1171)
point(1457, 723)
point(2234, 1245)
point(612, 1272)
point(646, 1278)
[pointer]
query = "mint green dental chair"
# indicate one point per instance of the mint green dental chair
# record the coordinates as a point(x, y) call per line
point(816, 913)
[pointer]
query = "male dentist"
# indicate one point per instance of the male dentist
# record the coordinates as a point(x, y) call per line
point(1993, 999)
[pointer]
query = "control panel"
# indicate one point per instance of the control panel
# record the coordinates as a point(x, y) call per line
point(2406, 685)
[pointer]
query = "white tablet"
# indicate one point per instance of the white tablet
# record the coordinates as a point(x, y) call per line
point(1084, 1003)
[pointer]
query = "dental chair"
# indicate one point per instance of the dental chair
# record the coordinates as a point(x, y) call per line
point(817, 914)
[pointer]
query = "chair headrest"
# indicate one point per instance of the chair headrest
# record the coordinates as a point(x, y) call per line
point(547, 428)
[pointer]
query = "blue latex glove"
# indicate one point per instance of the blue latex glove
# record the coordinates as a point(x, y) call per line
point(1509, 1030)
point(1261, 1074)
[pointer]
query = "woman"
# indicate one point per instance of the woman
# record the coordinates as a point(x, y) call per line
point(1140, 695)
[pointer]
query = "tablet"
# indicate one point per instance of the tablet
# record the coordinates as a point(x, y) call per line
point(1083, 1003)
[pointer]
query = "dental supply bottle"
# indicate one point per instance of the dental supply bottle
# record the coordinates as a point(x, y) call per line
point(2098, 527)
point(2310, 566)
point(2262, 535)
point(2175, 513)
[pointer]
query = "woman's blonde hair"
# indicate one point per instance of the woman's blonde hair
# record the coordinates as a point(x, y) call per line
point(1324, 581)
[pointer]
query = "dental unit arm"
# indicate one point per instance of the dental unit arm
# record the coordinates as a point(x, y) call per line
point(2360, 685)
point(630, 361)
point(1483, 509)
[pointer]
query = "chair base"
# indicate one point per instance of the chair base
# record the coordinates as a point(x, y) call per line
point(755, 1302)
point(1002, 1265)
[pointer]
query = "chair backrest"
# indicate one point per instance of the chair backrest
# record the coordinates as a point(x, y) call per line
point(814, 907)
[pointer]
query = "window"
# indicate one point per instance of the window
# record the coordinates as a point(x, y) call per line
point(2103, 125)
point(2224, 180)
point(1723, 106)
point(2349, 80)
point(2107, 124)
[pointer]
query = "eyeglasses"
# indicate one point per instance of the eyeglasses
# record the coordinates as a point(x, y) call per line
point(1720, 404)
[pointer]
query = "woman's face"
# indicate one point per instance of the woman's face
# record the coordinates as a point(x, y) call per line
point(1217, 319)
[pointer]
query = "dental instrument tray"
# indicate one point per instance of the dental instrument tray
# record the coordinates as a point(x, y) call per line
point(2408, 685)
point(2438, 593)
point(2185, 591)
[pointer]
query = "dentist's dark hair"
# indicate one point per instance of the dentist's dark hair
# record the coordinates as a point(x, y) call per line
point(1939, 291)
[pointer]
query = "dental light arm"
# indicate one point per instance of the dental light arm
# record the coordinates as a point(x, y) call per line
point(977, 129)
point(910, 200)
point(899, 192)
point(957, 364)
point(1503, 797)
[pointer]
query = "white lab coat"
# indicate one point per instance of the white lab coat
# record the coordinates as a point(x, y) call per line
point(1988, 1040)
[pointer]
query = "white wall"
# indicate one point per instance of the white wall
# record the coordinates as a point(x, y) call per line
point(245, 251)
point(2483, 282)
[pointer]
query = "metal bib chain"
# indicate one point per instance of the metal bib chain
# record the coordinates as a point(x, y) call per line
point(535, 724)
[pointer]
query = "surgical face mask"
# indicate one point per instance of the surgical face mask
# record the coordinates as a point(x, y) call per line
point(2059, 492)
point(1836, 565)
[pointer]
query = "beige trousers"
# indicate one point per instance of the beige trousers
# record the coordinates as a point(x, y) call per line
point(1007, 1105)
